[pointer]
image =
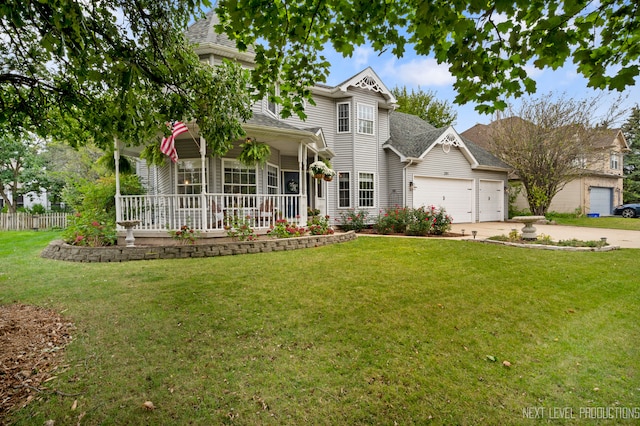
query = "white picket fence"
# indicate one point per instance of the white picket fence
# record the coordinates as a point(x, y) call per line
point(27, 221)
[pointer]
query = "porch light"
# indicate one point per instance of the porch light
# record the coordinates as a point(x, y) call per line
point(411, 186)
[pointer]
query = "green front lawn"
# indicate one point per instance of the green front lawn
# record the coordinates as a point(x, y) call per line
point(612, 222)
point(376, 331)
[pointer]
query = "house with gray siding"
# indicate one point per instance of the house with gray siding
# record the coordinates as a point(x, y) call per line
point(382, 159)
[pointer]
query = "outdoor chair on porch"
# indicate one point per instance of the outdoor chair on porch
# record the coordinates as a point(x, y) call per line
point(218, 214)
point(266, 212)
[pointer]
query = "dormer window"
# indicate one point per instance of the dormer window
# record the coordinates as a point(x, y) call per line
point(614, 161)
point(366, 119)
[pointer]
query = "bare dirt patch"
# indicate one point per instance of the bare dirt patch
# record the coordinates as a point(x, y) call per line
point(32, 341)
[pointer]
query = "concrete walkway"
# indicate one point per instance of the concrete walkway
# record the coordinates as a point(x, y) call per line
point(615, 237)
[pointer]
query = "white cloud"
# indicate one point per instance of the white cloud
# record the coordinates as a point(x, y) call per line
point(361, 55)
point(422, 72)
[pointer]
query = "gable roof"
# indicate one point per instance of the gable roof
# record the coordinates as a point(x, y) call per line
point(480, 134)
point(412, 138)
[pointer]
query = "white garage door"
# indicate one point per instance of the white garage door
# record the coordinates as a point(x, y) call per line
point(491, 201)
point(455, 195)
point(601, 201)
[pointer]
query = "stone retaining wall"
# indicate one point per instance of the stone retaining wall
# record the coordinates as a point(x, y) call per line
point(59, 250)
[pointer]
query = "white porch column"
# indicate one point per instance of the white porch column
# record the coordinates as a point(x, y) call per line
point(302, 162)
point(203, 185)
point(116, 157)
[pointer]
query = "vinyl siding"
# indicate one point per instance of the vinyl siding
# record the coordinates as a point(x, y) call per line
point(453, 164)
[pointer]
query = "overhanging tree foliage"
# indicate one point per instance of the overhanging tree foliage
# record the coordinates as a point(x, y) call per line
point(548, 142)
point(118, 69)
point(487, 44)
point(425, 105)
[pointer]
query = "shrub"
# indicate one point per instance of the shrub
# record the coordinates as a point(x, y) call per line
point(393, 220)
point(441, 221)
point(352, 220)
point(240, 229)
point(185, 235)
point(95, 204)
point(284, 229)
point(38, 209)
point(420, 222)
point(319, 225)
point(92, 228)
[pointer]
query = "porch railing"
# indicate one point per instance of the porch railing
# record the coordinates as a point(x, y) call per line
point(209, 212)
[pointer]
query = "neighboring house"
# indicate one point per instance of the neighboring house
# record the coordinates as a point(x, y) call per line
point(29, 200)
point(597, 191)
point(382, 159)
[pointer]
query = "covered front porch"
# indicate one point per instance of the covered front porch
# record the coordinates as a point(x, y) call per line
point(211, 194)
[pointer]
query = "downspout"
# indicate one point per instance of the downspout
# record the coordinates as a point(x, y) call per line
point(405, 191)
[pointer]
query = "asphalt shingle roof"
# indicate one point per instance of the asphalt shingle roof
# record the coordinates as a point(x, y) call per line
point(203, 32)
point(412, 136)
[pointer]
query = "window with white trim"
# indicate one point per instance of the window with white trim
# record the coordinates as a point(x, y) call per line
point(238, 178)
point(272, 179)
point(189, 182)
point(344, 117)
point(344, 190)
point(614, 161)
point(189, 177)
point(366, 119)
point(366, 190)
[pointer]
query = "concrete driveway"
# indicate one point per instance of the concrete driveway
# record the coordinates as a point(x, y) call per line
point(615, 237)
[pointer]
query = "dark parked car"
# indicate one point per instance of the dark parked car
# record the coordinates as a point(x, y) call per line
point(627, 210)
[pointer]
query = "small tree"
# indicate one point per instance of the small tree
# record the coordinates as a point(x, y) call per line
point(548, 142)
point(426, 106)
point(21, 168)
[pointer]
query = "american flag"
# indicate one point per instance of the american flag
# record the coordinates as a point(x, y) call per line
point(167, 146)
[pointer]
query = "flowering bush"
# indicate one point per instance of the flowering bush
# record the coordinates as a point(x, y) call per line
point(393, 220)
point(319, 225)
point(185, 235)
point(352, 220)
point(440, 221)
point(91, 228)
point(284, 229)
point(420, 221)
point(240, 229)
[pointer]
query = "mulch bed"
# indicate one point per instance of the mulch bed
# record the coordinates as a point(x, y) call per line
point(32, 340)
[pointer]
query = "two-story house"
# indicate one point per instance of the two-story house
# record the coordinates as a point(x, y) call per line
point(382, 159)
point(599, 186)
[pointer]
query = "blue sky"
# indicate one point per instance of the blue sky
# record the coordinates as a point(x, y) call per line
point(415, 71)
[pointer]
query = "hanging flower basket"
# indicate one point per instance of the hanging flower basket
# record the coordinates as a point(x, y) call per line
point(328, 178)
point(319, 170)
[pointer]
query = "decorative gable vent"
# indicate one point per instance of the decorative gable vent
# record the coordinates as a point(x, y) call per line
point(448, 141)
point(370, 83)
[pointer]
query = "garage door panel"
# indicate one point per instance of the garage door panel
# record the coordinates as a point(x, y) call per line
point(491, 201)
point(455, 195)
point(601, 201)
